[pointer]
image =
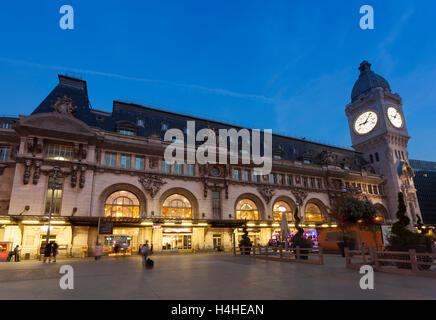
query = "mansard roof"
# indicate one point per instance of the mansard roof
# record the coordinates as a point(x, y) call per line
point(126, 115)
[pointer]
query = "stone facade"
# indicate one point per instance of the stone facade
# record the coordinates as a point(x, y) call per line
point(89, 151)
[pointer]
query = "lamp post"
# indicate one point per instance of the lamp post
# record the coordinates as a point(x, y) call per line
point(53, 189)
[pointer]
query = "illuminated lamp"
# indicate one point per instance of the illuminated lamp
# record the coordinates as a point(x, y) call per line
point(30, 221)
point(5, 221)
point(146, 223)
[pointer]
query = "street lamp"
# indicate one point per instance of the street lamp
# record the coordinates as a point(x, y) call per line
point(53, 189)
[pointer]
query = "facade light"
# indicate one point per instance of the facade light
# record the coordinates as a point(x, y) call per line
point(334, 225)
point(292, 225)
point(147, 223)
point(169, 224)
point(5, 221)
point(30, 221)
point(325, 226)
point(251, 224)
point(263, 225)
point(203, 224)
point(275, 225)
point(312, 225)
point(57, 222)
point(187, 224)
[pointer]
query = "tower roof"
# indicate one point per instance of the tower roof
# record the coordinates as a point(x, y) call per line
point(368, 79)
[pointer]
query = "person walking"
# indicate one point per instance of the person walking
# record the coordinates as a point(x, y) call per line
point(17, 253)
point(144, 253)
point(47, 252)
point(54, 249)
point(98, 251)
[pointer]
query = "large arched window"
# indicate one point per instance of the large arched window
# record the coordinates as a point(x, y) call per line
point(247, 210)
point(177, 206)
point(122, 204)
point(280, 208)
point(313, 213)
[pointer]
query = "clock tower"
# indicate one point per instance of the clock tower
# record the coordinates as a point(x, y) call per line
point(378, 130)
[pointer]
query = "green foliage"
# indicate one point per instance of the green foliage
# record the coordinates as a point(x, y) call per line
point(245, 241)
point(353, 210)
point(401, 235)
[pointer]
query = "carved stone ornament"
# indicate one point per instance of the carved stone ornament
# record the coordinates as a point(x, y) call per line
point(266, 192)
point(151, 183)
point(299, 195)
point(82, 176)
point(37, 172)
point(74, 176)
point(327, 158)
point(26, 175)
point(64, 105)
point(30, 144)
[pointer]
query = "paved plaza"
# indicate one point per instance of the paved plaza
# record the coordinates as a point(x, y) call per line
point(204, 276)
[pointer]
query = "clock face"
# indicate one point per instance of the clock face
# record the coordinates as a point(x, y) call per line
point(365, 122)
point(395, 117)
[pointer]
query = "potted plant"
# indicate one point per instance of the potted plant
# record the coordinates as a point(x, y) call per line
point(245, 243)
point(299, 240)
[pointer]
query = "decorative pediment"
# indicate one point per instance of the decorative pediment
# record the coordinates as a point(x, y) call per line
point(266, 192)
point(152, 183)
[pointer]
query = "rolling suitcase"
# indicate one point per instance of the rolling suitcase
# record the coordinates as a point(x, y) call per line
point(149, 264)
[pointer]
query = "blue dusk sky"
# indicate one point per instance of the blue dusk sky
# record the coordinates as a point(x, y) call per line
point(282, 65)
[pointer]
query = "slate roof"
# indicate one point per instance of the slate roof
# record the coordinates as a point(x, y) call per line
point(126, 115)
point(368, 80)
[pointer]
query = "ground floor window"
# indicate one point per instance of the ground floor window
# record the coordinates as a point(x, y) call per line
point(117, 245)
point(176, 241)
point(217, 241)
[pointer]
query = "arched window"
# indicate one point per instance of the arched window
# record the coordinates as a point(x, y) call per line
point(122, 204)
point(281, 207)
point(177, 206)
point(313, 213)
point(247, 210)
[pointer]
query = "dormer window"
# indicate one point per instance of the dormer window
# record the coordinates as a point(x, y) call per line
point(164, 127)
point(5, 125)
point(127, 131)
point(140, 122)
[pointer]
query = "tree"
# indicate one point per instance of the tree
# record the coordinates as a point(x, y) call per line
point(245, 241)
point(401, 235)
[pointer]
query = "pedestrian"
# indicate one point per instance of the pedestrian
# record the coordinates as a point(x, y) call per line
point(144, 252)
point(98, 251)
point(54, 249)
point(140, 249)
point(47, 252)
point(17, 253)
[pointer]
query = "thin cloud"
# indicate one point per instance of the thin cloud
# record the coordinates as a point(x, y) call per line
point(219, 91)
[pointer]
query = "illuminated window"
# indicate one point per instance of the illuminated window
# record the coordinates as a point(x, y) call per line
point(125, 162)
point(139, 163)
point(4, 153)
point(165, 167)
point(59, 152)
point(178, 168)
point(122, 204)
point(177, 206)
point(281, 207)
point(126, 131)
point(247, 210)
point(56, 196)
point(110, 159)
point(190, 169)
point(313, 213)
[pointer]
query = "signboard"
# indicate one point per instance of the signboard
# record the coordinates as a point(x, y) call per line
point(386, 233)
point(106, 227)
point(157, 226)
point(177, 230)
